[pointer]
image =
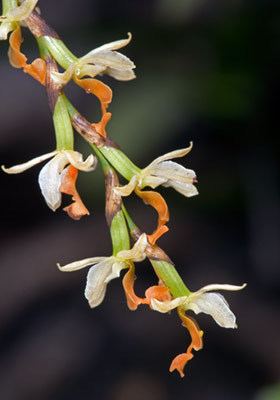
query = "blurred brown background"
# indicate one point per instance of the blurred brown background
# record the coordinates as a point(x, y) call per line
point(207, 71)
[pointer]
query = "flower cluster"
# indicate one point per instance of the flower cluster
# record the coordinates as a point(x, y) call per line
point(59, 175)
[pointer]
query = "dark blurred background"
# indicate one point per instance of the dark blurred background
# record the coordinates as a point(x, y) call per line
point(207, 71)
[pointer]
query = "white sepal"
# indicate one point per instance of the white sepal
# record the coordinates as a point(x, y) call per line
point(76, 265)
point(50, 180)
point(214, 304)
point(111, 59)
point(116, 45)
point(166, 306)
point(186, 189)
point(117, 267)
point(96, 281)
point(172, 154)
point(126, 190)
point(5, 28)
point(76, 159)
point(221, 286)
point(17, 169)
point(121, 75)
point(137, 253)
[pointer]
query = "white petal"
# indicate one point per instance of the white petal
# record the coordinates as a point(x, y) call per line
point(76, 265)
point(166, 306)
point(89, 70)
point(17, 169)
point(171, 155)
point(121, 75)
point(111, 59)
point(96, 281)
point(116, 271)
point(50, 180)
point(64, 77)
point(23, 11)
point(213, 304)
point(186, 189)
point(118, 44)
point(151, 181)
point(174, 171)
point(137, 253)
point(126, 190)
point(76, 159)
point(218, 286)
point(5, 29)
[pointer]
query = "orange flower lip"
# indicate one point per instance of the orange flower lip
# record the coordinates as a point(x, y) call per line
point(159, 292)
point(99, 89)
point(180, 361)
point(101, 125)
point(77, 209)
point(156, 200)
point(37, 69)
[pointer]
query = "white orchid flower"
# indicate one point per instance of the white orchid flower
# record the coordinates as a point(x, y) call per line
point(19, 13)
point(204, 301)
point(51, 175)
point(102, 60)
point(164, 172)
point(104, 269)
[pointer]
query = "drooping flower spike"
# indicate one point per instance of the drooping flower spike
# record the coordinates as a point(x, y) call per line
point(10, 20)
point(102, 60)
point(56, 178)
point(164, 172)
point(206, 301)
point(59, 176)
point(104, 269)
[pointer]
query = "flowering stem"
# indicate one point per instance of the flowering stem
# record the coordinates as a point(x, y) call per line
point(110, 159)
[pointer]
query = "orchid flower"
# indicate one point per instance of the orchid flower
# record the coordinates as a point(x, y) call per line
point(104, 269)
point(203, 301)
point(19, 13)
point(102, 60)
point(56, 178)
point(164, 172)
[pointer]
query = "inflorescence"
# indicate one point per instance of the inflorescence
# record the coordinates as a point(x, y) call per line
point(59, 175)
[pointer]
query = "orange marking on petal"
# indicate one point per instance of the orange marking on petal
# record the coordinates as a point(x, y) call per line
point(156, 200)
point(37, 69)
point(133, 301)
point(181, 360)
point(99, 89)
point(77, 209)
point(100, 127)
